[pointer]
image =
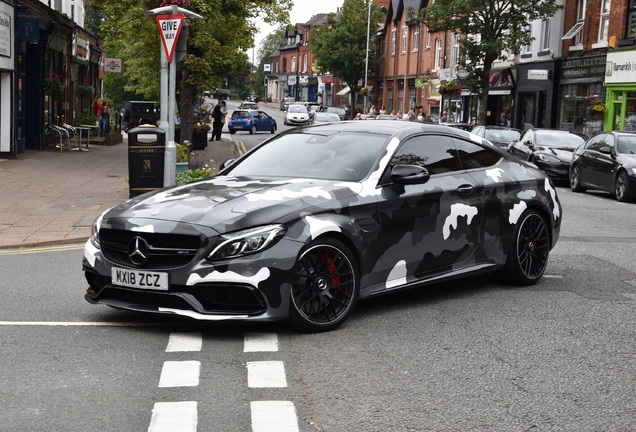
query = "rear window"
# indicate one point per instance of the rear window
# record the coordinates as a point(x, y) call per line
point(240, 114)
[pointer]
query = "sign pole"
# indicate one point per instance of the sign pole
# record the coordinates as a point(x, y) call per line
point(170, 20)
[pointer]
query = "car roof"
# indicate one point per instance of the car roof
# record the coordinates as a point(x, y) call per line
point(383, 127)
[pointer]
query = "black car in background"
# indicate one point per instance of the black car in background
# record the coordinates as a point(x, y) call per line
point(499, 135)
point(606, 162)
point(549, 149)
point(315, 218)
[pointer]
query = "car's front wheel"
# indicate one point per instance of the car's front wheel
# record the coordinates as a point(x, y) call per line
point(252, 130)
point(621, 190)
point(325, 286)
point(575, 179)
point(528, 251)
point(273, 130)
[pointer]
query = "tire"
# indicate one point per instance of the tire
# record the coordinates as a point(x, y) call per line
point(325, 287)
point(621, 188)
point(575, 179)
point(528, 251)
point(232, 131)
point(252, 130)
point(273, 130)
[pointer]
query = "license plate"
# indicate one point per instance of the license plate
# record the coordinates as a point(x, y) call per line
point(140, 279)
point(238, 127)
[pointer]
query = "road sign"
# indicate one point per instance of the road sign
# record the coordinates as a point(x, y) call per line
point(169, 28)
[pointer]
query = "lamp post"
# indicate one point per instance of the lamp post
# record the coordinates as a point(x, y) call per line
point(366, 60)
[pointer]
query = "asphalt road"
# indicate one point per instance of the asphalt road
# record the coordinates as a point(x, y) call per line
point(471, 355)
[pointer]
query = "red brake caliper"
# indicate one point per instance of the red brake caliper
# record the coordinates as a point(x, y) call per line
point(333, 272)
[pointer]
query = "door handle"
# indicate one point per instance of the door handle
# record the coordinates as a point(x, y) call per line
point(465, 189)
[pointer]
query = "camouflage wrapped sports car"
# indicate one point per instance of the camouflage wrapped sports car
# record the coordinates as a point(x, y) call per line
point(307, 223)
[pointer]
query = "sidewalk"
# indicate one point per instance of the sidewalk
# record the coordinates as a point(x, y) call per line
point(52, 197)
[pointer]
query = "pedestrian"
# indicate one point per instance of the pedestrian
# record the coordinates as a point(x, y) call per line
point(383, 110)
point(420, 116)
point(97, 110)
point(104, 124)
point(444, 117)
point(218, 119)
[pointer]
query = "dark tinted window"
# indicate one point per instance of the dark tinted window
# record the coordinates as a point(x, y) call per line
point(627, 144)
point(434, 152)
point(240, 114)
point(473, 156)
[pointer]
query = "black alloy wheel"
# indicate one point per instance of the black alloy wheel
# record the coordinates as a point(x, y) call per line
point(621, 190)
point(575, 179)
point(325, 287)
point(528, 252)
point(253, 130)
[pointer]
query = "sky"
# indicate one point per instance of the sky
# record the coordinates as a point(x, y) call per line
point(301, 12)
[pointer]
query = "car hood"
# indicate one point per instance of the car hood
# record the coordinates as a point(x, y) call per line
point(228, 203)
point(564, 154)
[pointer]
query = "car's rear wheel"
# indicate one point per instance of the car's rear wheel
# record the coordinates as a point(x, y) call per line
point(232, 131)
point(325, 287)
point(575, 179)
point(621, 190)
point(252, 130)
point(273, 130)
point(528, 251)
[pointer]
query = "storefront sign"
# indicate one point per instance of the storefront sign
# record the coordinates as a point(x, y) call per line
point(538, 74)
point(291, 80)
point(80, 48)
point(267, 67)
point(6, 33)
point(112, 65)
point(583, 67)
point(620, 67)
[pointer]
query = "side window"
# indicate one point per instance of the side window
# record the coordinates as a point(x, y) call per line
point(595, 143)
point(608, 141)
point(473, 156)
point(433, 152)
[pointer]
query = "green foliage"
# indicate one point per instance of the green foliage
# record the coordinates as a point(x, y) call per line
point(340, 46)
point(494, 28)
point(183, 152)
point(195, 174)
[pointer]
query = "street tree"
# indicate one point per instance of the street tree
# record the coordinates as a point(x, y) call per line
point(491, 29)
point(339, 46)
point(217, 45)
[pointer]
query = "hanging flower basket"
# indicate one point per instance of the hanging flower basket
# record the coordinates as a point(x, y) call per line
point(85, 89)
point(450, 88)
point(54, 85)
point(596, 106)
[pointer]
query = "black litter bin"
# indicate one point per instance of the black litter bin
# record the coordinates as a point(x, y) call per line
point(146, 155)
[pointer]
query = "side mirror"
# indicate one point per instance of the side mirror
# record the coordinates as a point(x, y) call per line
point(404, 174)
point(605, 150)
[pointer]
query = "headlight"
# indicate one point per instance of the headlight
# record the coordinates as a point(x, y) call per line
point(547, 158)
point(247, 242)
point(95, 232)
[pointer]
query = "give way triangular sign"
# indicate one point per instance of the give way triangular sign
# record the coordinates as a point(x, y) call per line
point(169, 28)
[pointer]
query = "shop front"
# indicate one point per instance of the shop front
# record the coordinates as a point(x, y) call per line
point(7, 62)
point(581, 94)
point(535, 95)
point(620, 83)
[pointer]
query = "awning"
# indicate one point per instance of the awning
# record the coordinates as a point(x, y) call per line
point(501, 77)
point(582, 80)
point(344, 91)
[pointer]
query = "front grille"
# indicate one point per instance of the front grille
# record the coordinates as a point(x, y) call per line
point(165, 250)
point(143, 298)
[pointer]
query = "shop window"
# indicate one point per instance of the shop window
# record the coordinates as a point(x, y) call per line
point(631, 19)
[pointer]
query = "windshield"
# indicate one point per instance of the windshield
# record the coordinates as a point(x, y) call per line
point(333, 156)
point(626, 145)
point(326, 117)
point(502, 135)
point(297, 109)
point(558, 139)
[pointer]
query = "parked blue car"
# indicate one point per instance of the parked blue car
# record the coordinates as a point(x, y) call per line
point(251, 121)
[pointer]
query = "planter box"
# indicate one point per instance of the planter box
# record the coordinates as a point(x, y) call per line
point(199, 140)
point(113, 138)
point(182, 166)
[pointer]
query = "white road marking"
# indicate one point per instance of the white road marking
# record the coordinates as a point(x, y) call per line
point(180, 374)
point(260, 342)
point(181, 342)
point(88, 324)
point(174, 416)
point(266, 374)
point(274, 416)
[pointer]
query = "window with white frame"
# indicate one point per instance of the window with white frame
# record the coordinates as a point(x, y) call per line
point(428, 39)
point(454, 50)
point(545, 34)
point(276, 67)
point(305, 63)
point(416, 37)
point(438, 53)
point(527, 49)
point(293, 64)
point(405, 38)
point(576, 32)
point(393, 42)
point(630, 32)
point(603, 28)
